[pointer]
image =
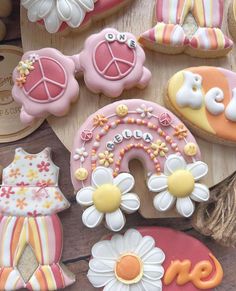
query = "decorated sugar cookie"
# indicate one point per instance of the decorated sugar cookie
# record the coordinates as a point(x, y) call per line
point(44, 84)
point(127, 130)
point(111, 62)
point(232, 19)
point(153, 259)
point(205, 98)
point(172, 34)
point(29, 202)
point(58, 15)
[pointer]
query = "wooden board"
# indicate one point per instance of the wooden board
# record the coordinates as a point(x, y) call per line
point(11, 128)
point(221, 159)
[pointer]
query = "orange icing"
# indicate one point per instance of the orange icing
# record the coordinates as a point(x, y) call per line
point(199, 276)
point(212, 77)
point(128, 268)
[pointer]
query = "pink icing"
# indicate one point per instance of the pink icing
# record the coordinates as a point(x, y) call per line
point(135, 152)
point(178, 246)
point(112, 67)
point(43, 84)
point(119, 61)
point(50, 87)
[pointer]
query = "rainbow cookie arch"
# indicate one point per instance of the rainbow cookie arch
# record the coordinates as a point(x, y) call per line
point(127, 130)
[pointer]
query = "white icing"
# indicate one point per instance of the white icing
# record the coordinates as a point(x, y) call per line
point(145, 111)
point(118, 138)
point(138, 134)
point(127, 134)
point(110, 146)
point(147, 137)
point(132, 43)
point(190, 94)
point(230, 111)
point(129, 201)
point(164, 201)
point(55, 12)
point(212, 99)
point(107, 253)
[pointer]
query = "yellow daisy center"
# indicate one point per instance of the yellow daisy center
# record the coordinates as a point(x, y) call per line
point(129, 269)
point(181, 183)
point(107, 198)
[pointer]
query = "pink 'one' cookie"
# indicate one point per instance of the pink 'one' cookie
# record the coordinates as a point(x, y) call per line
point(135, 129)
point(112, 62)
point(44, 84)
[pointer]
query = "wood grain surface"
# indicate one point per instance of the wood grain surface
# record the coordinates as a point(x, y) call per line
point(136, 18)
point(78, 240)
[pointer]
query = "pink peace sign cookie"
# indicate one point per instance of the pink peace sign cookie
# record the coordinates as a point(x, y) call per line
point(112, 62)
point(44, 84)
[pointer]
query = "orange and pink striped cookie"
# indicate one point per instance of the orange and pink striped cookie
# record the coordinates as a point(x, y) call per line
point(176, 32)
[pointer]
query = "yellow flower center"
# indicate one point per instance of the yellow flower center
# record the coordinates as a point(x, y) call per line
point(107, 198)
point(129, 269)
point(181, 183)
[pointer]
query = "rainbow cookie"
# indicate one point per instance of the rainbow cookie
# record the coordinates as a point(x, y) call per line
point(112, 62)
point(153, 259)
point(174, 33)
point(59, 15)
point(127, 130)
point(29, 202)
point(205, 99)
point(44, 84)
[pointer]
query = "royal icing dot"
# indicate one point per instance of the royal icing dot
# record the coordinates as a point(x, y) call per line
point(190, 149)
point(110, 37)
point(81, 174)
point(122, 37)
point(132, 43)
point(122, 110)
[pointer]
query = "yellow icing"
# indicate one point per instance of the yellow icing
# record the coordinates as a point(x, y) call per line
point(107, 198)
point(181, 183)
point(81, 174)
point(129, 269)
point(190, 149)
point(195, 116)
point(122, 110)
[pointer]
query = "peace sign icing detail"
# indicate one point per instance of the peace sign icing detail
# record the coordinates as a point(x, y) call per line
point(205, 98)
point(44, 84)
point(127, 130)
point(57, 15)
point(111, 62)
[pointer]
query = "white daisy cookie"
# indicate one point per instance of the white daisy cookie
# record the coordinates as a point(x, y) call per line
point(127, 262)
point(108, 197)
point(178, 185)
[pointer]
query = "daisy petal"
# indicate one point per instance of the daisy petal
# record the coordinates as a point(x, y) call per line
point(117, 243)
point(130, 202)
point(45, 8)
point(92, 217)
point(125, 182)
point(102, 175)
point(157, 183)
point(102, 266)
point(113, 285)
point(115, 220)
point(200, 193)
point(85, 196)
point(150, 285)
point(185, 206)
point(64, 9)
point(136, 287)
point(154, 256)
point(52, 22)
point(164, 201)
point(99, 280)
point(153, 272)
point(147, 243)
point(86, 4)
point(132, 239)
point(174, 163)
point(198, 170)
point(104, 250)
point(77, 17)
